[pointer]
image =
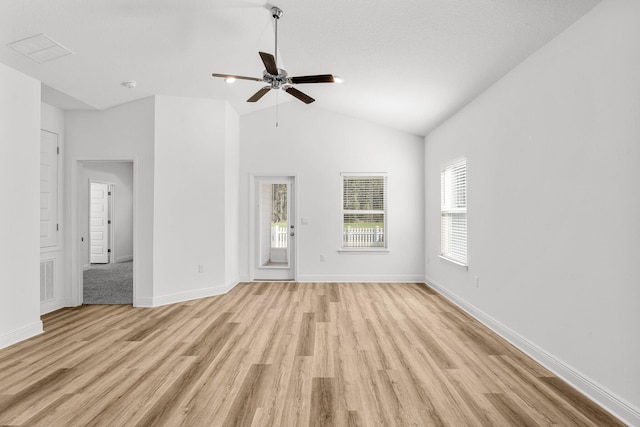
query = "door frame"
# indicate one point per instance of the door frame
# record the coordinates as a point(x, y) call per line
point(110, 220)
point(73, 294)
point(252, 219)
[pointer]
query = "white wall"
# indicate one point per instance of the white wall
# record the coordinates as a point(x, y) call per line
point(125, 132)
point(185, 174)
point(52, 120)
point(232, 196)
point(20, 212)
point(317, 145)
point(121, 175)
point(190, 198)
point(553, 202)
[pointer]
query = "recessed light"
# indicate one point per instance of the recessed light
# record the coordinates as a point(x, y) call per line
point(338, 79)
point(129, 84)
point(230, 80)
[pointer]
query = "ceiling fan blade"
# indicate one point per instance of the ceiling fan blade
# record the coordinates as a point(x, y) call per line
point(300, 95)
point(269, 63)
point(227, 76)
point(320, 78)
point(259, 94)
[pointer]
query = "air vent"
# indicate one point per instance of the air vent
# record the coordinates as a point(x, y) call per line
point(46, 279)
point(40, 48)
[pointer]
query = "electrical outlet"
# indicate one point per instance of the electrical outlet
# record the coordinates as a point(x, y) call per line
point(200, 268)
point(476, 281)
point(321, 258)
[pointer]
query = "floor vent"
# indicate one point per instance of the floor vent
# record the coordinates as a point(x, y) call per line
point(46, 280)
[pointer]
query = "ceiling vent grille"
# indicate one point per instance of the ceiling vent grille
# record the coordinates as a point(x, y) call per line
point(41, 48)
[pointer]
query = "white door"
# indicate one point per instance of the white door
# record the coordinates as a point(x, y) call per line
point(48, 189)
point(275, 230)
point(99, 223)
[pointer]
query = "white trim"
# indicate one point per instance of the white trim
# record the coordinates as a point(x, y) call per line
point(252, 220)
point(76, 164)
point(21, 334)
point(124, 258)
point(384, 212)
point(184, 296)
point(460, 265)
point(369, 279)
point(591, 389)
point(373, 251)
point(452, 162)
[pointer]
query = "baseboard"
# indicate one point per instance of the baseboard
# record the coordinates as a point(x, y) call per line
point(245, 278)
point(124, 258)
point(617, 406)
point(21, 334)
point(183, 296)
point(86, 267)
point(357, 279)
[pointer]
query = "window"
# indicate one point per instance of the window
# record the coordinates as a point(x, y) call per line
point(453, 209)
point(364, 211)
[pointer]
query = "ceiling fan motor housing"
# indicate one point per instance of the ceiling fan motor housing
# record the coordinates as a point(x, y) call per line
point(276, 81)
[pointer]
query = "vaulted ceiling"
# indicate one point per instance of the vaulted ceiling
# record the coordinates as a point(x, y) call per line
point(406, 64)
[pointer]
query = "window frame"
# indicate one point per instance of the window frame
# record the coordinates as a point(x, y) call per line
point(384, 212)
point(447, 193)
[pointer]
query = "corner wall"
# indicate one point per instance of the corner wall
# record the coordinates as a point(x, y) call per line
point(553, 202)
point(20, 215)
point(125, 132)
point(190, 201)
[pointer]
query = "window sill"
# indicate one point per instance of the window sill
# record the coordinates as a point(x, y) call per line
point(455, 263)
point(380, 251)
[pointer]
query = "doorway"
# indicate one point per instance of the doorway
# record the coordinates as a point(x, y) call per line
point(106, 214)
point(275, 231)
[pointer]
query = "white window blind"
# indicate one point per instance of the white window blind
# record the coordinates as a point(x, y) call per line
point(364, 211)
point(453, 225)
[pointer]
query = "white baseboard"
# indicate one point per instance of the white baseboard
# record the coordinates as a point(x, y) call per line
point(183, 296)
point(124, 258)
point(362, 278)
point(21, 334)
point(617, 406)
point(245, 278)
point(86, 267)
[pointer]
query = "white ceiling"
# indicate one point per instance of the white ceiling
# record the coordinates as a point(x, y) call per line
point(407, 64)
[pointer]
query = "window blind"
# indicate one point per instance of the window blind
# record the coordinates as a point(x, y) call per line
point(364, 216)
point(453, 226)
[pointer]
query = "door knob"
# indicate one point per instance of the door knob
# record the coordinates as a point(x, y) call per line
point(292, 234)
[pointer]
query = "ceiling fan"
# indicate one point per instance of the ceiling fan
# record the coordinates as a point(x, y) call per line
point(277, 78)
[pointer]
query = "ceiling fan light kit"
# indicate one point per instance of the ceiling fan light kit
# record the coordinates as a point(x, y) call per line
point(278, 78)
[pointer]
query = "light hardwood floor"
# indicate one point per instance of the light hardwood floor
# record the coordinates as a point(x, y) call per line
point(282, 354)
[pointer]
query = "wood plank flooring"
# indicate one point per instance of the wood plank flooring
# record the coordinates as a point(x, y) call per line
point(282, 354)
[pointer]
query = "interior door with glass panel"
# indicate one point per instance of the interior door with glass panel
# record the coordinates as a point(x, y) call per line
point(275, 228)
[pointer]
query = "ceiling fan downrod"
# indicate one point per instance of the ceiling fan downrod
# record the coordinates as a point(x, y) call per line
point(276, 12)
